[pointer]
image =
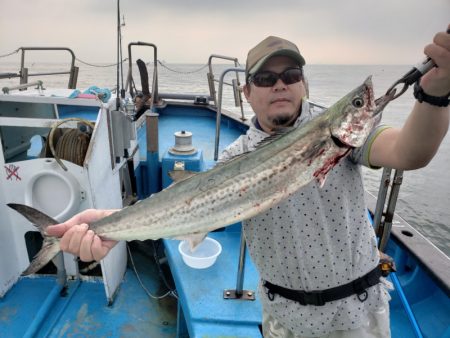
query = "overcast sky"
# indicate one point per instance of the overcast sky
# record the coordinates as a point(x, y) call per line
point(327, 31)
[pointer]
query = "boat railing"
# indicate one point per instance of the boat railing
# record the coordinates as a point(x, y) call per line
point(130, 81)
point(219, 107)
point(317, 105)
point(24, 74)
point(39, 85)
point(237, 293)
point(235, 83)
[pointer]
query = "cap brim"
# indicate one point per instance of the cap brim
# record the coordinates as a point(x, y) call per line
point(282, 52)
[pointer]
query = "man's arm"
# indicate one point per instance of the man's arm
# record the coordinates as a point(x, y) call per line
point(415, 144)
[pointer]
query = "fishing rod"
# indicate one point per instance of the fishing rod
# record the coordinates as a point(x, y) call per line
point(120, 87)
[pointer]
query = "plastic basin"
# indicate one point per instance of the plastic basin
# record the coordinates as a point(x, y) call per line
point(203, 256)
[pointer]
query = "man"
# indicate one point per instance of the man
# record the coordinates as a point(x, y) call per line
point(319, 239)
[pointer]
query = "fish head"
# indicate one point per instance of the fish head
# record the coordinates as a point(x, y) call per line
point(355, 115)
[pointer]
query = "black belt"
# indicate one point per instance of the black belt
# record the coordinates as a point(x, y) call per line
point(319, 298)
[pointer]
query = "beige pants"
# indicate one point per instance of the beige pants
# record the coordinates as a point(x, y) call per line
point(376, 327)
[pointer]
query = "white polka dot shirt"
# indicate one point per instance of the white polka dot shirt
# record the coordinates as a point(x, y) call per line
point(317, 239)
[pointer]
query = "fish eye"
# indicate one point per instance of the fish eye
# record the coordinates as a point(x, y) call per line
point(358, 102)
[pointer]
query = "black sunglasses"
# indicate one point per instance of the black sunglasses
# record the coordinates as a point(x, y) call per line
point(268, 78)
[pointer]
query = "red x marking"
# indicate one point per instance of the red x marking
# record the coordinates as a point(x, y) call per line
point(12, 171)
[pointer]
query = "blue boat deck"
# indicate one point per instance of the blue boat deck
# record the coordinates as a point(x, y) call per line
point(200, 292)
point(35, 307)
point(423, 295)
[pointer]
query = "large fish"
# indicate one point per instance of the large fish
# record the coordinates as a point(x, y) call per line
point(239, 188)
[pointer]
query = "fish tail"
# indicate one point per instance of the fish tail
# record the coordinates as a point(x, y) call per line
point(50, 246)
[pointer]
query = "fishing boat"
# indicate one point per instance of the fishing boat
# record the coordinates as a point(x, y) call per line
point(65, 150)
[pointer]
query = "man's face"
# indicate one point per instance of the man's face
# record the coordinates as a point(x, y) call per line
point(278, 106)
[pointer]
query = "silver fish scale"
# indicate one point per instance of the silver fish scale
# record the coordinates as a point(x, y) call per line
point(244, 186)
point(216, 200)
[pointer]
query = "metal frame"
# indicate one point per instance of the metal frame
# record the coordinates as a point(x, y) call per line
point(219, 107)
point(154, 89)
point(73, 71)
point(235, 83)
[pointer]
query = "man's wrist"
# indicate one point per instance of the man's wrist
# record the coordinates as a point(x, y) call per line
point(421, 96)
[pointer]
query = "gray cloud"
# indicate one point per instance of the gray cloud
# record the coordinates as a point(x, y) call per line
point(347, 31)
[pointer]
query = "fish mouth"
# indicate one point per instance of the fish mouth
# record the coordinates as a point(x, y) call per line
point(339, 143)
point(382, 102)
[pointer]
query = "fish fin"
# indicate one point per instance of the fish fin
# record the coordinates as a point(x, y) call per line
point(38, 218)
point(181, 175)
point(49, 250)
point(193, 239)
point(232, 158)
point(50, 247)
point(263, 142)
point(275, 136)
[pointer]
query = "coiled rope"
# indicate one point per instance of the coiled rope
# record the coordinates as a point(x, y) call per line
point(72, 145)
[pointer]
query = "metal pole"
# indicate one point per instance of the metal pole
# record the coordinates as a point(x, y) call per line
point(118, 56)
point(73, 77)
point(39, 84)
point(219, 109)
point(393, 197)
point(212, 89)
point(73, 70)
point(381, 200)
point(241, 267)
point(239, 293)
point(236, 64)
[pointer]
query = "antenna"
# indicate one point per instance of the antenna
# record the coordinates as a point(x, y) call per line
point(118, 55)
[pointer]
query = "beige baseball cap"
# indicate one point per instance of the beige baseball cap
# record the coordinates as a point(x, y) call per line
point(271, 46)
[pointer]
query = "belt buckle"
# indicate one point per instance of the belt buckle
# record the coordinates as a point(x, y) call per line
point(313, 298)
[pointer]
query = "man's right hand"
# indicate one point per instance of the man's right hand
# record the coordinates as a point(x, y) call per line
point(77, 239)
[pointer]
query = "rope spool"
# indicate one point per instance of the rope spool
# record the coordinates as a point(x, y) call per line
point(71, 144)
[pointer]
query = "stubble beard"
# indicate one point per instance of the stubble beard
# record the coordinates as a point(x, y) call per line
point(283, 120)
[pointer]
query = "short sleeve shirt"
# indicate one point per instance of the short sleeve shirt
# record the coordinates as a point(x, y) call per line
point(319, 238)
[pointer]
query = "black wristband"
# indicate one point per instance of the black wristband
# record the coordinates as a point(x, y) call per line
point(421, 96)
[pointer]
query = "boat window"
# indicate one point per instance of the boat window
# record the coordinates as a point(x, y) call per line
point(22, 143)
